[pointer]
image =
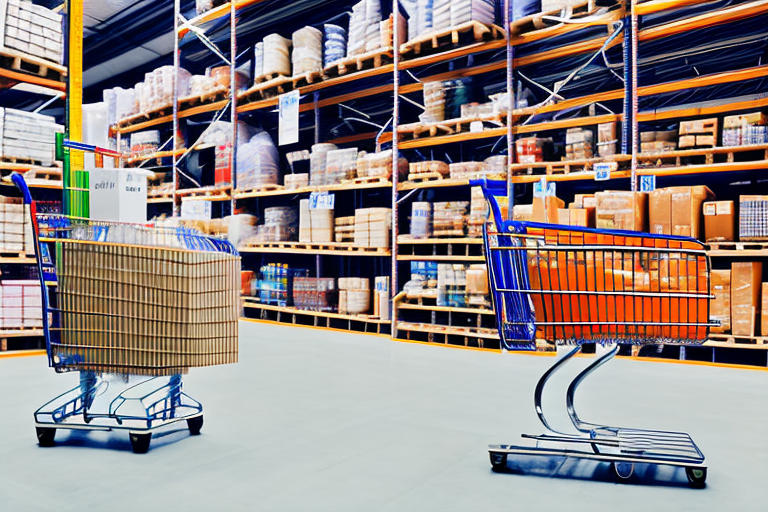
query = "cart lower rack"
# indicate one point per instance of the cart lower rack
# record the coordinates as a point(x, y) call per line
point(572, 286)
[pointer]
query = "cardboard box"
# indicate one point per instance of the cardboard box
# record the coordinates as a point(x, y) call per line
point(621, 210)
point(746, 281)
point(564, 216)
point(698, 127)
point(677, 210)
point(719, 221)
point(583, 217)
point(720, 306)
point(545, 209)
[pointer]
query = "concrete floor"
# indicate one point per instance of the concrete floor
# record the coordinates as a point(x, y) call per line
point(316, 420)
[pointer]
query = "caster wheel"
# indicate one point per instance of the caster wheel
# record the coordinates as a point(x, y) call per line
point(45, 436)
point(696, 476)
point(195, 424)
point(623, 470)
point(498, 461)
point(140, 442)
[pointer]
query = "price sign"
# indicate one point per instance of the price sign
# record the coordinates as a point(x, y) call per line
point(647, 183)
point(543, 189)
point(603, 170)
point(321, 201)
point(288, 107)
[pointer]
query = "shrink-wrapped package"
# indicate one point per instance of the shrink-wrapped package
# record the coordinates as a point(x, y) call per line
point(307, 50)
point(277, 55)
point(335, 43)
point(258, 162)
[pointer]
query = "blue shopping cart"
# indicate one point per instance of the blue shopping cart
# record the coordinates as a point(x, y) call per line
point(117, 339)
point(570, 286)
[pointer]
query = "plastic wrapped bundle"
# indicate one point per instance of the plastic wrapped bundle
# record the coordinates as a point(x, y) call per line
point(335, 44)
point(277, 55)
point(257, 162)
point(314, 293)
point(307, 50)
point(258, 59)
point(379, 165)
point(496, 164)
point(280, 225)
point(449, 218)
point(463, 11)
point(200, 85)
point(144, 143)
point(421, 219)
point(451, 285)
point(340, 165)
point(364, 28)
point(318, 159)
point(441, 14)
point(119, 103)
point(373, 25)
point(434, 102)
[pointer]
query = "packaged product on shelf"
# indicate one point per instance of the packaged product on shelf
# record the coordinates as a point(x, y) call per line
point(477, 286)
point(258, 60)
point(381, 298)
point(578, 144)
point(277, 55)
point(280, 225)
point(466, 169)
point(720, 305)
point(421, 219)
point(429, 167)
point(584, 201)
point(292, 181)
point(622, 210)
point(335, 43)
point(307, 53)
point(387, 31)
point(258, 162)
point(677, 210)
point(441, 14)
point(449, 218)
point(315, 225)
point(364, 29)
point(246, 280)
point(145, 143)
point(354, 295)
point(426, 270)
point(22, 304)
point(746, 278)
point(379, 165)
point(28, 136)
point(463, 11)
point(496, 165)
point(533, 149)
point(753, 218)
point(314, 293)
point(606, 139)
point(276, 283)
point(719, 221)
point(34, 30)
point(222, 77)
point(318, 160)
point(478, 213)
point(745, 129)
point(119, 103)
point(698, 133)
point(344, 229)
point(340, 165)
point(434, 102)
point(372, 227)
point(451, 285)
point(658, 141)
point(238, 228)
point(545, 209)
point(583, 217)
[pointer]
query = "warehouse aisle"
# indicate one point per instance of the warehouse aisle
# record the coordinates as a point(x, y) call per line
point(317, 420)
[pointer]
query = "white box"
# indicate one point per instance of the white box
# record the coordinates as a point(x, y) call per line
point(119, 195)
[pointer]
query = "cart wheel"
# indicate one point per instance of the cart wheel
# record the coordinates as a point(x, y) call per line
point(45, 436)
point(195, 424)
point(140, 442)
point(696, 476)
point(623, 470)
point(498, 461)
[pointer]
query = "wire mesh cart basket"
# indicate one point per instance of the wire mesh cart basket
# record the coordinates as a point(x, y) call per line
point(571, 286)
point(136, 306)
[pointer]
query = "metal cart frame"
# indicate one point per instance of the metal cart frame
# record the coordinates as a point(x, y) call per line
point(541, 287)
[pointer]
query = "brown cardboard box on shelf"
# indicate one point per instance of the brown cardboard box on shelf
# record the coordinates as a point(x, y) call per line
point(545, 209)
point(719, 221)
point(746, 280)
point(583, 217)
point(522, 212)
point(677, 210)
point(720, 306)
point(564, 216)
point(622, 210)
point(583, 201)
point(764, 311)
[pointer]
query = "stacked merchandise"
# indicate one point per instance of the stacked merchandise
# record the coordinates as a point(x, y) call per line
point(276, 283)
point(421, 219)
point(156, 91)
point(478, 213)
point(441, 14)
point(335, 44)
point(463, 11)
point(276, 59)
point(22, 304)
point(364, 28)
point(314, 293)
point(606, 139)
point(740, 300)
point(280, 225)
point(318, 160)
point(745, 130)
point(431, 168)
point(621, 210)
point(477, 286)
point(372, 227)
point(258, 163)
point(434, 102)
point(677, 210)
point(144, 143)
point(344, 229)
point(379, 165)
point(578, 144)
point(307, 51)
point(340, 165)
point(200, 85)
point(720, 305)
point(701, 133)
point(315, 225)
point(16, 236)
point(119, 103)
point(581, 212)
point(466, 170)
point(354, 295)
point(34, 30)
point(381, 299)
point(658, 141)
point(452, 285)
point(534, 149)
point(753, 218)
point(720, 221)
point(423, 282)
point(28, 136)
point(220, 80)
point(258, 61)
point(449, 218)
point(495, 165)
point(294, 181)
point(219, 134)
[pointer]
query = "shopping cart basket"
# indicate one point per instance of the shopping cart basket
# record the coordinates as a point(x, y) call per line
point(133, 302)
point(571, 286)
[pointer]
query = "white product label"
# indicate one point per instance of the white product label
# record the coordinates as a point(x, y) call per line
point(321, 201)
point(289, 118)
point(724, 207)
point(710, 209)
point(544, 189)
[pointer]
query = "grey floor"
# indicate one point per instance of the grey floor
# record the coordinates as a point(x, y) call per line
point(314, 420)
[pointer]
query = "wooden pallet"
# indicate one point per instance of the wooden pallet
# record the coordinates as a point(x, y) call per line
point(469, 32)
point(564, 166)
point(145, 116)
point(266, 89)
point(738, 341)
point(218, 94)
point(449, 243)
point(367, 180)
point(264, 188)
point(24, 161)
point(43, 175)
point(211, 193)
point(369, 60)
point(738, 246)
point(25, 63)
point(536, 21)
point(708, 155)
point(426, 176)
point(13, 255)
point(307, 78)
point(448, 127)
point(309, 247)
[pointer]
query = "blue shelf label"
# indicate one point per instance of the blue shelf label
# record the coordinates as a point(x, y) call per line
point(543, 189)
point(321, 201)
point(603, 170)
point(647, 183)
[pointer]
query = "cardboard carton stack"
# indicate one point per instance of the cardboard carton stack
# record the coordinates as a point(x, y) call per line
point(720, 306)
point(719, 221)
point(477, 286)
point(344, 229)
point(745, 129)
point(745, 293)
point(478, 212)
point(578, 144)
point(16, 235)
point(449, 218)
point(381, 300)
point(678, 210)
point(28, 136)
point(753, 218)
point(354, 295)
point(372, 227)
point(622, 210)
point(34, 30)
point(22, 304)
point(315, 225)
point(658, 141)
point(699, 133)
point(314, 293)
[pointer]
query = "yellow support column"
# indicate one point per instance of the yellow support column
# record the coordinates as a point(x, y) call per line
point(77, 195)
